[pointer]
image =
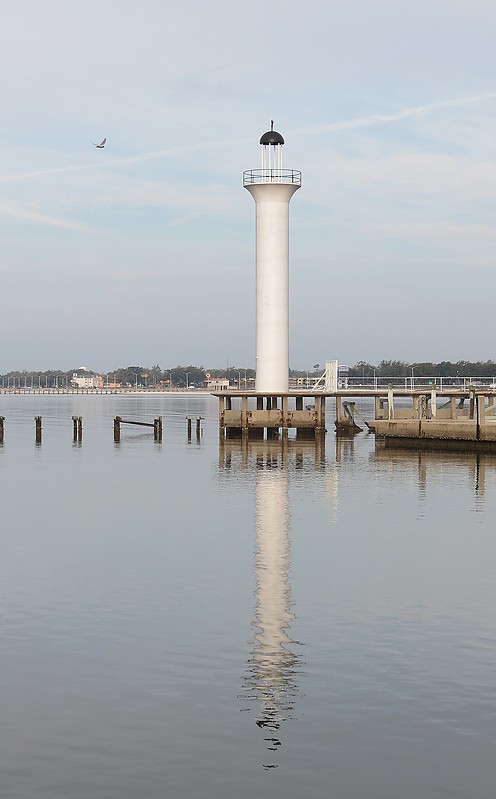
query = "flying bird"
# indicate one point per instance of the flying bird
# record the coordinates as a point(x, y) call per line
point(102, 144)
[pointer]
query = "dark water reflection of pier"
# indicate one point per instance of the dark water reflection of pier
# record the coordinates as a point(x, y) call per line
point(431, 466)
point(427, 466)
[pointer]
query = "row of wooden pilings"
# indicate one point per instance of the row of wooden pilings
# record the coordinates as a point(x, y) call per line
point(77, 426)
point(77, 423)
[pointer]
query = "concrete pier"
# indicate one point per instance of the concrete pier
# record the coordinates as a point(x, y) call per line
point(463, 419)
point(426, 417)
point(263, 415)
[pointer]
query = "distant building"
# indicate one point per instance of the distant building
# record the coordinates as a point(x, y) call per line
point(86, 380)
point(216, 383)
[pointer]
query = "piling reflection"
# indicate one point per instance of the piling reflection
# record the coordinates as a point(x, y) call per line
point(344, 447)
point(270, 686)
point(293, 453)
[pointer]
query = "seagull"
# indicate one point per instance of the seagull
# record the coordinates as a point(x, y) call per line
point(101, 145)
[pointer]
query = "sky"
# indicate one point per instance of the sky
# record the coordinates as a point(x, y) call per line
point(143, 252)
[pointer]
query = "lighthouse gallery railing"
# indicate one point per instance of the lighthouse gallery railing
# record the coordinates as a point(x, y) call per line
point(251, 176)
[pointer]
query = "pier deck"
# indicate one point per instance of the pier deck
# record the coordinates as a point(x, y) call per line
point(457, 415)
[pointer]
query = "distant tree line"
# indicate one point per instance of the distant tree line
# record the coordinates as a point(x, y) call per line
point(425, 368)
point(133, 376)
point(191, 375)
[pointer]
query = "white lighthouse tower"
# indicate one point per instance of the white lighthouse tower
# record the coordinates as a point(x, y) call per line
point(272, 188)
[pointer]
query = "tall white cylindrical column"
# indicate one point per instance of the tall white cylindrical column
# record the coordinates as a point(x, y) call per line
point(272, 188)
point(272, 284)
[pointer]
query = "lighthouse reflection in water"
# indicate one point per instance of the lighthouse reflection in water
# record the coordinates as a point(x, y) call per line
point(271, 684)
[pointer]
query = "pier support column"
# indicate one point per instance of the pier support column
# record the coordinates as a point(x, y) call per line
point(244, 415)
point(320, 414)
point(452, 407)
point(471, 405)
point(481, 414)
point(285, 413)
point(222, 431)
point(377, 407)
point(390, 404)
point(433, 404)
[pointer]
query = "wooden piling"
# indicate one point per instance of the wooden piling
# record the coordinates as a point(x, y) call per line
point(197, 428)
point(157, 428)
point(2, 419)
point(117, 429)
point(77, 428)
point(37, 421)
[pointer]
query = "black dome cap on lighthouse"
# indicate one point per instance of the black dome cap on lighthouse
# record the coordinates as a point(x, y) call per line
point(272, 136)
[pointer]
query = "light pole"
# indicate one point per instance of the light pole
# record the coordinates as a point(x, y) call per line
point(412, 367)
point(187, 379)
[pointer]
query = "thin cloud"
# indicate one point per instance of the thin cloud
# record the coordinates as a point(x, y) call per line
point(444, 231)
point(405, 113)
point(42, 172)
point(333, 127)
point(113, 162)
point(22, 215)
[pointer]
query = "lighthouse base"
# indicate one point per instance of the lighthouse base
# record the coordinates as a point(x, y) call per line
point(258, 415)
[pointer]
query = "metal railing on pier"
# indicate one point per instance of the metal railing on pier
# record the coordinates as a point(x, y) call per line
point(407, 383)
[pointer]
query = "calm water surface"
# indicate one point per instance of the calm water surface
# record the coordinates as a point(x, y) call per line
point(189, 620)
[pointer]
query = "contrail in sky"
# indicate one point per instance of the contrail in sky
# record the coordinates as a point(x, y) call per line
point(346, 124)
